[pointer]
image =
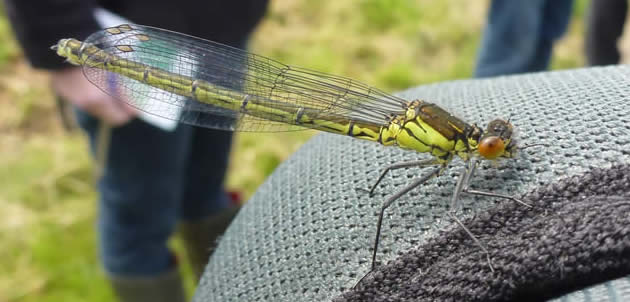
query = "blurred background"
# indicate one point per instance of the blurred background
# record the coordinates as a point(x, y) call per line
point(47, 197)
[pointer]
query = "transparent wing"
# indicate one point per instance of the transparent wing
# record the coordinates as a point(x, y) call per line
point(212, 85)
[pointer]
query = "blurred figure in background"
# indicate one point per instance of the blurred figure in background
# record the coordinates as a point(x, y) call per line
point(519, 35)
point(605, 22)
point(153, 179)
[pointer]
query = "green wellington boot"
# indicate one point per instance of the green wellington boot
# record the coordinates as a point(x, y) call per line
point(166, 287)
point(200, 237)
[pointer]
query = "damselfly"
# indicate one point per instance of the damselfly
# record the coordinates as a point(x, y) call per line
point(212, 85)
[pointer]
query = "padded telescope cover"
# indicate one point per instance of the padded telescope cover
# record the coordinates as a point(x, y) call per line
point(307, 233)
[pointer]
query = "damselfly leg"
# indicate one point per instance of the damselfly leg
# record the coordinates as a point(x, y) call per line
point(433, 173)
point(407, 164)
point(472, 166)
point(463, 186)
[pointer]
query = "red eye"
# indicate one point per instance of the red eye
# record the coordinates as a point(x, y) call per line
point(491, 147)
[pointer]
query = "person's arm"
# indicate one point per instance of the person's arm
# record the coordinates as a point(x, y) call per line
point(38, 25)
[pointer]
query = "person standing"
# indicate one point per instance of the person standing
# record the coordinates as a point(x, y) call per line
point(519, 35)
point(153, 179)
point(605, 23)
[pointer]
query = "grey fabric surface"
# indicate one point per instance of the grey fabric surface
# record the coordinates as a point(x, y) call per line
point(615, 290)
point(307, 233)
point(576, 234)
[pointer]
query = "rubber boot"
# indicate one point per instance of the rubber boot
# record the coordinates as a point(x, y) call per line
point(166, 287)
point(200, 237)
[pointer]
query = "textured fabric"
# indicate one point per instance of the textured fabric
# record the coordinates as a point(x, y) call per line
point(577, 233)
point(307, 233)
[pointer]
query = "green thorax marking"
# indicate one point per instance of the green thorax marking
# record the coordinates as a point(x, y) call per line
point(425, 127)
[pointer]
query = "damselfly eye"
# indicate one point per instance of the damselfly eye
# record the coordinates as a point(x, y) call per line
point(491, 147)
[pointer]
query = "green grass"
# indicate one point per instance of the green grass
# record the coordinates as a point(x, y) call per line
point(47, 199)
point(9, 51)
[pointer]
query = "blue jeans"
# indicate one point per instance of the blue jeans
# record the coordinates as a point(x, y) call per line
point(519, 35)
point(152, 180)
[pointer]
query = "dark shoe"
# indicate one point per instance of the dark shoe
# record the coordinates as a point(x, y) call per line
point(166, 287)
point(201, 236)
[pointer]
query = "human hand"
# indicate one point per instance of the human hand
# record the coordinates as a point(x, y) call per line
point(71, 85)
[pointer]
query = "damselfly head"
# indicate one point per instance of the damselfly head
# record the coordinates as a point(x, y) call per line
point(497, 140)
